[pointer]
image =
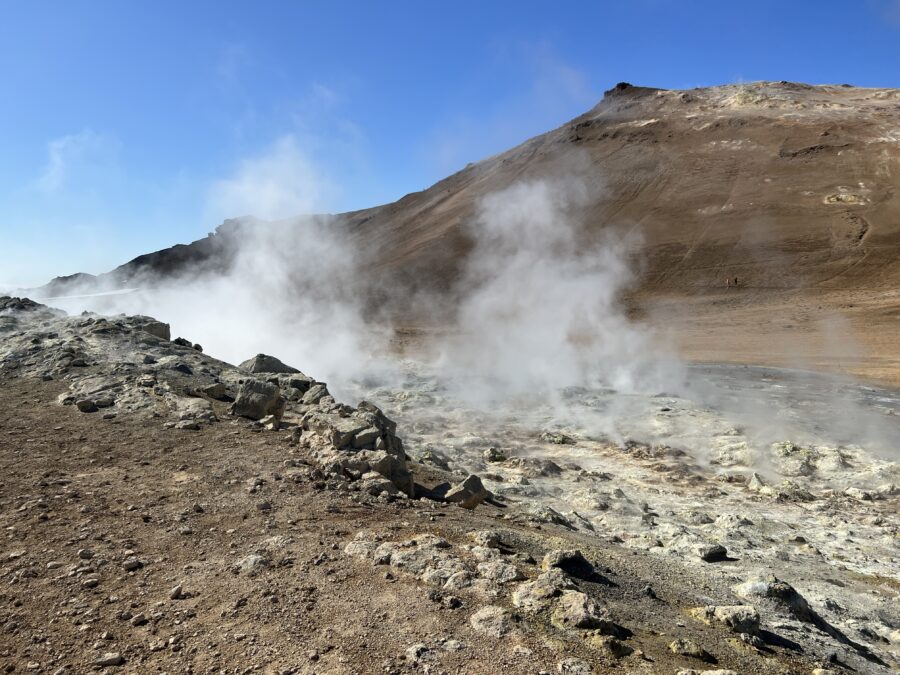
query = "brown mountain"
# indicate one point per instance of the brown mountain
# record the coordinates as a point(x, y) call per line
point(789, 188)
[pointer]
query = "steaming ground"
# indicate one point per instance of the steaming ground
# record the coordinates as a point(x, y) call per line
point(795, 473)
point(159, 531)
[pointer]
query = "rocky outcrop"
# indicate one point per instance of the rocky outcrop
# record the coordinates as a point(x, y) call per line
point(125, 364)
point(354, 442)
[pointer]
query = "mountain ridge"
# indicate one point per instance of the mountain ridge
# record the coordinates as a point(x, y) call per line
point(789, 188)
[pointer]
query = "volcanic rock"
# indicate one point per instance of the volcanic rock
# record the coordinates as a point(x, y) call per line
point(256, 399)
point(263, 363)
point(571, 562)
point(468, 494)
point(492, 620)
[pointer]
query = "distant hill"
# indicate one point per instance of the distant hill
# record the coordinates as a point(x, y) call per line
point(791, 188)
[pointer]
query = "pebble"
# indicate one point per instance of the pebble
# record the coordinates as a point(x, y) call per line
point(684, 647)
point(139, 620)
point(110, 659)
point(131, 564)
point(574, 667)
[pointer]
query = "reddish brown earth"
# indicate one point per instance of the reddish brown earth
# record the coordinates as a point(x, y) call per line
point(790, 188)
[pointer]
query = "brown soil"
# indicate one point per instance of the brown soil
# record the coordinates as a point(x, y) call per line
point(790, 188)
point(179, 501)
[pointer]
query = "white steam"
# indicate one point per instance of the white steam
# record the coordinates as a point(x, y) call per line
point(540, 304)
point(292, 287)
point(282, 182)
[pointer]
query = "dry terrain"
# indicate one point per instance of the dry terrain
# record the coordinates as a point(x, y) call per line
point(147, 528)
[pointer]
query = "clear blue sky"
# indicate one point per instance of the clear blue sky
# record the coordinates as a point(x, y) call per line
point(129, 126)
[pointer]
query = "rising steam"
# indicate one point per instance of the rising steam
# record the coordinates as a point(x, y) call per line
point(540, 305)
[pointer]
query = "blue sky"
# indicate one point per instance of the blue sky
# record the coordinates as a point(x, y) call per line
point(129, 126)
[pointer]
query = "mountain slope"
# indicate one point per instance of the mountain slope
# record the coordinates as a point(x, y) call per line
point(789, 188)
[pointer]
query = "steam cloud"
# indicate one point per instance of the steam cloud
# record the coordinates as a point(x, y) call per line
point(539, 310)
point(540, 305)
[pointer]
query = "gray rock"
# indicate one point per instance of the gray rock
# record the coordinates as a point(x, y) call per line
point(575, 609)
point(131, 563)
point(486, 538)
point(156, 328)
point(86, 405)
point(684, 647)
point(571, 561)
point(740, 618)
point(468, 494)
point(262, 363)
point(712, 553)
point(499, 571)
point(533, 596)
point(253, 563)
point(315, 394)
point(217, 390)
point(492, 620)
point(574, 667)
point(779, 594)
point(609, 645)
point(110, 659)
point(361, 547)
point(366, 437)
point(257, 399)
point(494, 455)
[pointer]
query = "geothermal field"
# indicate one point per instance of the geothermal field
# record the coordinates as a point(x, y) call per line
point(621, 399)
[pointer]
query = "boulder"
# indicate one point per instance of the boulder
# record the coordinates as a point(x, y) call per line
point(533, 596)
point(780, 595)
point(468, 494)
point(156, 328)
point(571, 562)
point(492, 620)
point(575, 609)
point(263, 363)
point(739, 618)
point(257, 399)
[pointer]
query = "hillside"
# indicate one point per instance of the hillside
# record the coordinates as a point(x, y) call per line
point(789, 188)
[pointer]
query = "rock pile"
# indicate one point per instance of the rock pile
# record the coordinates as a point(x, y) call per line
point(130, 364)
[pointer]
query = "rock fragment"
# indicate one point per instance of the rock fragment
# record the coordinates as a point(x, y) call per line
point(685, 647)
point(571, 561)
point(468, 494)
point(86, 405)
point(777, 593)
point(574, 667)
point(575, 609)
point(110, 659)
point(492, 620)
point(263, 363)
point(534, 596)
point(712, 553)
point(257, 399)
